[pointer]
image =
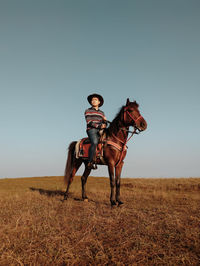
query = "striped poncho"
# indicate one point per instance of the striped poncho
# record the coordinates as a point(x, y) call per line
point(94, 118)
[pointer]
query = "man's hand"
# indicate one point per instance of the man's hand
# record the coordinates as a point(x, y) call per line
point(103, 126)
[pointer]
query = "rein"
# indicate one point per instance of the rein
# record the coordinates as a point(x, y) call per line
point(125, 142)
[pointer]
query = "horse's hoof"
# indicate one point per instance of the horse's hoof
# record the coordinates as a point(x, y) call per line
point(120, 203)
point(65, 197)
point(85, 200)
point(113, 203)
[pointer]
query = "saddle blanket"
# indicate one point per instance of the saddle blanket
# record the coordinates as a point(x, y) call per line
point(82, 149)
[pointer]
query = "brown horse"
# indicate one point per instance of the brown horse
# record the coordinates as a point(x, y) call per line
point(114, 150)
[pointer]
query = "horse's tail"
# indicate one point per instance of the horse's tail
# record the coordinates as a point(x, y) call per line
point(69, 163)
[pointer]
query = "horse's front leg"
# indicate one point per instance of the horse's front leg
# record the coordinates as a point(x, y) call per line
point(118, 170)
point(111, 170)
point(83, 181)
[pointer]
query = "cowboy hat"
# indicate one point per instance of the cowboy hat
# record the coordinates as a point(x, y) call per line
point(89, 98)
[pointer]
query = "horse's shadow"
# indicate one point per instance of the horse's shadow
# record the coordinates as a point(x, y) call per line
point(54, 193)
point(49, 193)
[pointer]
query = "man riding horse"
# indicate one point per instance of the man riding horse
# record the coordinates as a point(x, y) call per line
point(113, 148)
point(96, 120)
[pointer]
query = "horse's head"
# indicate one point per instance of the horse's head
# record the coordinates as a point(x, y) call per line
point(132, 116)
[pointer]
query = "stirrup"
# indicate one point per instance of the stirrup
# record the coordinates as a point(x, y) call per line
point(95, 166)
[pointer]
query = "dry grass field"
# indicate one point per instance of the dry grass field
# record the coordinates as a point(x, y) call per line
point(159, 223)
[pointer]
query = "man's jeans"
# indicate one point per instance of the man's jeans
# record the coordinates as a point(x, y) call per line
point(93, 135)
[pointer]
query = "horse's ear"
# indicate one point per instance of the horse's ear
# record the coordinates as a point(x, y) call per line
point(127, 101)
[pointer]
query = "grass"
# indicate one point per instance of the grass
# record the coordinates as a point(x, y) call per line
point(157, 225)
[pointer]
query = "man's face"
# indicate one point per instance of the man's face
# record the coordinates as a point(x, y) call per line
point(95, 102)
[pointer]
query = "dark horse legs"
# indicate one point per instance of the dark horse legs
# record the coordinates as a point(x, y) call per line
point(83, 181)
point(115, 174)
point(118, 170)
point(76, 165)
point(111, 170)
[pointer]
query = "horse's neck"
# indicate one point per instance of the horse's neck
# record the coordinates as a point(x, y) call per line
point(120, 134)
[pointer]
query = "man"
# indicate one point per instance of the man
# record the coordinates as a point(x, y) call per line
point(96, 120)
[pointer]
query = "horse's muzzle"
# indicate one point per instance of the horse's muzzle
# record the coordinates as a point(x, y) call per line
point(142, 125)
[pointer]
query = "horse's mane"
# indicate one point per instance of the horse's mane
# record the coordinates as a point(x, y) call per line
point(115, 124)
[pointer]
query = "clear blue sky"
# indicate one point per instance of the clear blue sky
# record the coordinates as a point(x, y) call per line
point(53, 54)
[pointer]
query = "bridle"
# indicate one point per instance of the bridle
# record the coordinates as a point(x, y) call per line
point(135, 131)
point(131, 116)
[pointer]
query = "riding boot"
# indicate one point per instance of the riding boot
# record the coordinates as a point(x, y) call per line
point(90, 165)
point(94, 161)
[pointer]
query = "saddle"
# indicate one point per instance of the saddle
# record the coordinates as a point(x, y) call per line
point(84, 146)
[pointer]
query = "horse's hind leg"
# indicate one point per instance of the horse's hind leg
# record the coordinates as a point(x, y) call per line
point(76, 165)
point(83, 181)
